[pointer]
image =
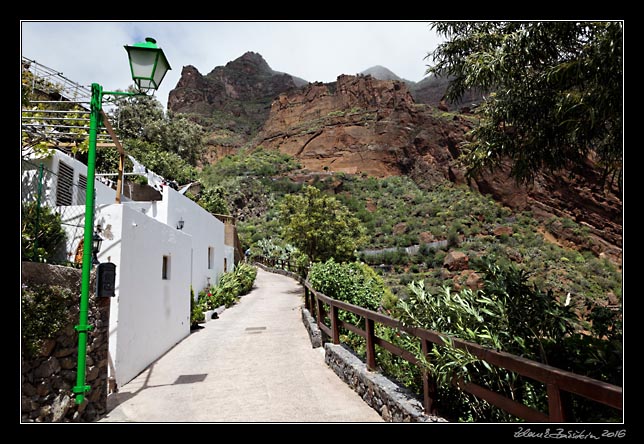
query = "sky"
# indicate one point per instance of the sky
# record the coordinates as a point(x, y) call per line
point(92, 51)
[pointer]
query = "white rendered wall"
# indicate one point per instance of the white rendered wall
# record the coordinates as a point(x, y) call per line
point(149, 315)
point(206, 231)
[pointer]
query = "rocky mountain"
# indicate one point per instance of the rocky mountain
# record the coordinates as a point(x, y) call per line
point(233, 101)
point(381, 73)
point(362, 125)
point(431, 90)
point(357, 124)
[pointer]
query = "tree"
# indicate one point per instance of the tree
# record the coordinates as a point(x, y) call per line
point(177, 134)
point(213, 200)
point(320, 226)
point(135, 114)
point(555, 92)
point(141, 119)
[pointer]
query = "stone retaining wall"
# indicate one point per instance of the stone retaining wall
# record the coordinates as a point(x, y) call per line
point(47, 380)
point(394, 403)
point(315, 335)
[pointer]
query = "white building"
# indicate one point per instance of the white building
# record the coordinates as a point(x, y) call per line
point(161, 248)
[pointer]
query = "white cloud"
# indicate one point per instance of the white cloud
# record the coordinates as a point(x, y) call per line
point(88, 52)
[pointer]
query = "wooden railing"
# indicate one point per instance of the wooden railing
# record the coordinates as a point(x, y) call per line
point(282, 264)
point(559, 383)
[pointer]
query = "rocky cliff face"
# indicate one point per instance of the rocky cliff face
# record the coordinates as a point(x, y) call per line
point(246, 79)
point(579, 195)
point(233, 101)
point(360, 125)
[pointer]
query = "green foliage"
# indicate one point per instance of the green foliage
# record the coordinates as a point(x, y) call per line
point(455, 211)
point(135, 114)
point(260, 162)
point(452, 238)
point(45, 311)
point(213, 201)
point(169, 145)
point(508, 315)
point(230, 287)
point(227, 290)
point(246, 275)
point(177, 134)
point(275, 249)
point(196, 310)
point(42, 233)
point(354, 282)
point(320, 226)
point(169, 165)
point(557, 93)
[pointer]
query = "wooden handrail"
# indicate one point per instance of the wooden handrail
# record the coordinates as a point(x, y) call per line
point(558, 382)
point(556, 379)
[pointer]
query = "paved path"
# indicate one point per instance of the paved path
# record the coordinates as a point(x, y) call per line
point(253, 364)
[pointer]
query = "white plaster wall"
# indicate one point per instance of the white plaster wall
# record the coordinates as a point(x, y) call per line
point(206, 231)
point(149, 315)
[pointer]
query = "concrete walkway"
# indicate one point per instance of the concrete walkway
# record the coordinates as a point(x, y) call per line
point(253, 364)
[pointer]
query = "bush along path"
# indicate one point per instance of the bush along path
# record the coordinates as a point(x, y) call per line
point(231, 286)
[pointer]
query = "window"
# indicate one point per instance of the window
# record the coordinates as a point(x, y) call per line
point(165, 271)
point(211, 257)
point(225, 264)
point(65, 184)
point(82, 187)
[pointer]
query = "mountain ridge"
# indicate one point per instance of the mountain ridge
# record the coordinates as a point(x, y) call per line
point(362, 125)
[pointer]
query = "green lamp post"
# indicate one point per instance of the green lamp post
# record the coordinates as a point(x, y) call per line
point(148, 66)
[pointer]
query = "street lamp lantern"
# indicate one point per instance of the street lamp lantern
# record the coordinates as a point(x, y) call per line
point(97, 240)
point(148, 64)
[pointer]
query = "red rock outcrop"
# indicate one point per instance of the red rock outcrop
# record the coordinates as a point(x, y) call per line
point(358, 125)
point(361, 125)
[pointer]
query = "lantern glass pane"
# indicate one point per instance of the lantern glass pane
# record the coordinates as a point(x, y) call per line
point(145, 84)
point(162, 68)
point(142, 62)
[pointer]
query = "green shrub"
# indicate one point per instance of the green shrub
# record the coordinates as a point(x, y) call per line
point(355, 283)
point(44, 312)
point(45, 243)
point(230, 287)
point(196, 310)
point(246, 275)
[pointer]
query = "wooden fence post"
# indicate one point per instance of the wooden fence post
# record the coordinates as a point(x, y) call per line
point(429, 387)
point(558, 404)
point(371, 346)
point(320, 312)
point(335, 329)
